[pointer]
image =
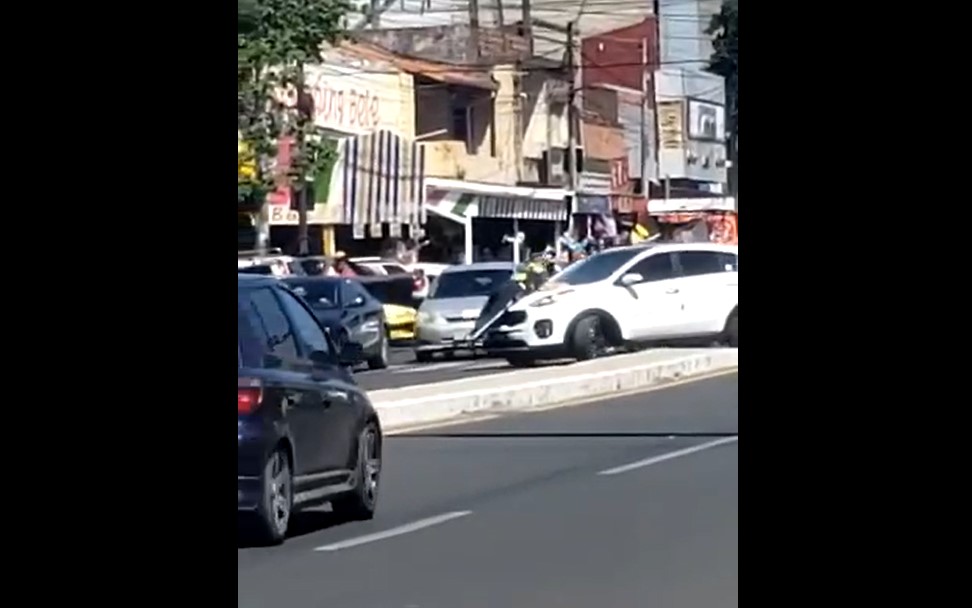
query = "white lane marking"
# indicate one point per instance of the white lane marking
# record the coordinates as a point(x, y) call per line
point(430, 368)
point(647, 462)
point(412, 527)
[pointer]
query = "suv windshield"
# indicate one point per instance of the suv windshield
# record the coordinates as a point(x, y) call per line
point(597, 267)
point(320, 295)
point(468, 283)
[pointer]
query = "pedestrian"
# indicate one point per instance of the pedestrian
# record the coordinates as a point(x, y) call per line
point(341, 266)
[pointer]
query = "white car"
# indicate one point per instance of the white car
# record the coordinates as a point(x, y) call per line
point(652, 292)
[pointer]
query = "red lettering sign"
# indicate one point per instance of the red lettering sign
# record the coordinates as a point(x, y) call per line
point(350, 108)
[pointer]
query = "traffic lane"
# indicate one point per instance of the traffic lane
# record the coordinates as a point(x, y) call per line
point(426, 477)
point(424, 473)
point(663, 536)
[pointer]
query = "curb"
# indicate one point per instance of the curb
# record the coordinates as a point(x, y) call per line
point(525, 396)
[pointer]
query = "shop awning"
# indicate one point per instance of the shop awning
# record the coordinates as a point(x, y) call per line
point(457, 200)
point(659, 206)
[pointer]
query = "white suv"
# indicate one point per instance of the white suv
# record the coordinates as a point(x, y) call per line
point(626, 295)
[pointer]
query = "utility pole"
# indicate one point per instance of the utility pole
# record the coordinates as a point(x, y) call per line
point(528, 25)
point(374, 20)
point(302, 190)
point(474, 28)
point(572, 125)
point(644, 116)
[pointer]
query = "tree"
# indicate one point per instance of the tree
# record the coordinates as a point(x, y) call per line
point(725, 57)
point(725, 62)
point(276, 39)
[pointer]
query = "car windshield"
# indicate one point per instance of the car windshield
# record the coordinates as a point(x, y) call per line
point(468, 283)
point(596, 268)
point(321, 295)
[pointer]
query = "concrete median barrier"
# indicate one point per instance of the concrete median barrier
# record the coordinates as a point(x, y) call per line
point(524, 390)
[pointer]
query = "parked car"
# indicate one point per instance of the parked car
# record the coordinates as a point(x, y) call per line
point(395, 294)
point(455, 300)
point(642, 293)
point(348, 311)
point(306, 433)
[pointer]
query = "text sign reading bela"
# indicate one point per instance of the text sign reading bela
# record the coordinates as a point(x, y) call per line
point(345, 109)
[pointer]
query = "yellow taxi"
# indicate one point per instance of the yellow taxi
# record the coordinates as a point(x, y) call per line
point(401, 322)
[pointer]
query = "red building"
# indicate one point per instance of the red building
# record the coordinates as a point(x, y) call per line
point(614, 58)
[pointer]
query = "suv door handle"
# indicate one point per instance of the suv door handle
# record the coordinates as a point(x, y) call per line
point(672, 290)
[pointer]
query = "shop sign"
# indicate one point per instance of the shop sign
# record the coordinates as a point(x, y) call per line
point(592, 205)
point(354, 102)
point(283, 215)
point(671, 120)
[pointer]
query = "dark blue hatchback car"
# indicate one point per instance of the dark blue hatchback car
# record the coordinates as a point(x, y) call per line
point(307, 434)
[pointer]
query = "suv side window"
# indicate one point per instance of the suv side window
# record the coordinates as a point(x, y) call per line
point(729, 262)
point(658, 267)
point(311, 334)
point(272, 325)
point(695, 263)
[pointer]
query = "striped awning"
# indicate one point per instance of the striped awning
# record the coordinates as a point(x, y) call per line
point(382, 177)
point(522, 208)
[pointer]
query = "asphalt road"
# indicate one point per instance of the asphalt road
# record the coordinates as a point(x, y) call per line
point(403, 370)
point(517, 512)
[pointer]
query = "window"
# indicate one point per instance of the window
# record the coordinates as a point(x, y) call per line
point(271, 324)
point(392, 269)
point(311, 334)
point(729, 262)
point(658, 267)
point(320, 294)
point(597, 267)
point(468, 283)
point(695, 263)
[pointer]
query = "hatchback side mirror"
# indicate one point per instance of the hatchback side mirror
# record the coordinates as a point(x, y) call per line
point(631, 278)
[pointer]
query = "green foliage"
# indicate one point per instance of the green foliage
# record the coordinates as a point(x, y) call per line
point(725, 58)
point(276, 39)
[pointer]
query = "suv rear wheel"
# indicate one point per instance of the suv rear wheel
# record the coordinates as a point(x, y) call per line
point(277, 500)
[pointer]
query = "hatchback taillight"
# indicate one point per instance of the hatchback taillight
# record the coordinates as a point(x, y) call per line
point(248, 398)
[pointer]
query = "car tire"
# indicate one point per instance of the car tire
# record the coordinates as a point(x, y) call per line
point(423, 356)
point(360, 503)
point(587, 339)
point(380, 361)
point(731, 333)
point(276, 500)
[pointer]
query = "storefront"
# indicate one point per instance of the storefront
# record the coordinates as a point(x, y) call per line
point(374, 188)
point(712, 219)
point(491, 215)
